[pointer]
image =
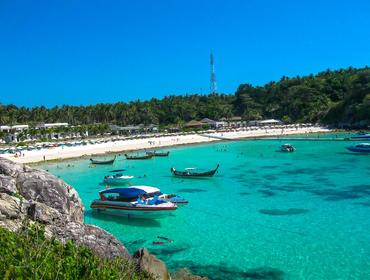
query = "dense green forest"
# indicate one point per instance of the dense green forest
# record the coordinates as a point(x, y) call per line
point(29, 255)
point(333, 97)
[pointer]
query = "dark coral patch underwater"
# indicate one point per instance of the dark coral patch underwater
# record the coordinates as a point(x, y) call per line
point(281, 212)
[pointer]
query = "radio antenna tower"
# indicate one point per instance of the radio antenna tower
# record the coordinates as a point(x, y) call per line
point(213, 76)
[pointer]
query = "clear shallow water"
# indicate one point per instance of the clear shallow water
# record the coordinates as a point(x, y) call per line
point(238, 223)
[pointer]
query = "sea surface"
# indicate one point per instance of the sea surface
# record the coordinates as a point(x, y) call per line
point(264, 215)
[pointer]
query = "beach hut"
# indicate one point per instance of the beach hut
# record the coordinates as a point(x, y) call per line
point(269, 122)
point(193, 124)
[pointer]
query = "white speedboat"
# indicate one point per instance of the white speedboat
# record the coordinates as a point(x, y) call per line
point(153, 191)
point(287, 148)
point(117, 179)
point(361, 136)
point(360, 148)
point(132, 203)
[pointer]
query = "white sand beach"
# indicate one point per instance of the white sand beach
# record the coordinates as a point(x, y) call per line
point(156, 142)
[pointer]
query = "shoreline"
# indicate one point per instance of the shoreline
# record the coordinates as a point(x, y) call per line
point(153, 143)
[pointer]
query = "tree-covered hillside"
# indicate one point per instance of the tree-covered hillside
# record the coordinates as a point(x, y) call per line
point(334, 97)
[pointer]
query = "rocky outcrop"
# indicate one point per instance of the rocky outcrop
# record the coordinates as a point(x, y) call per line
point(28, 193)
point(7, 184)
point(152, 264)
point(93, 237)
point(40, 186)
point(185, 274)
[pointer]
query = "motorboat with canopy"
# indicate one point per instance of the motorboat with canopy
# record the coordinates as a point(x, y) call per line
point(287, 148)
point(132, 203)
point(117, 179)
point(193, 172)
point(360, 148)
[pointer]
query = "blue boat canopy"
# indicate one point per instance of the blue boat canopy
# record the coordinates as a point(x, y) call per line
point(125, 192)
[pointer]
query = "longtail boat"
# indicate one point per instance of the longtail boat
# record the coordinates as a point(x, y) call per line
point(111, 161)
point(191, 172)
point(138, 157)
point(158, 154)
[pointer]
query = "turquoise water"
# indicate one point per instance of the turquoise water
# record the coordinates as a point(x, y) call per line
point(301, 215)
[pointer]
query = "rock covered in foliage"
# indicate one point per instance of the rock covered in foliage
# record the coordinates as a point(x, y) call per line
point(28, 193)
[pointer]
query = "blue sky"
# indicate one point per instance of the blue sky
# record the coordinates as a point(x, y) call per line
point(87, 52)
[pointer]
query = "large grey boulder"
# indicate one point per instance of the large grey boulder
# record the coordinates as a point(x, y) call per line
point(9, 168)
point(7, 184)
point(152, 264)
point(40, 186)
point(34, 194)
point(10, 207)
point(45, 214)
point(12, 212)
point(185, 274)
point(99, 240)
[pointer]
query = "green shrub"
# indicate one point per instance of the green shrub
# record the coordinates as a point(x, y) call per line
point(29, 255)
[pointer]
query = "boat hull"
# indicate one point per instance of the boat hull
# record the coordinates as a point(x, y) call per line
point(189, 174)
point(155, 154)
point(102, 162)
point(138, 157)
point(363, 137)
point(358, 150)
point(137, 212)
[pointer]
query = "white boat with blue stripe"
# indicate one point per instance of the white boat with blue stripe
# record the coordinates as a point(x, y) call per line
point(132, 203)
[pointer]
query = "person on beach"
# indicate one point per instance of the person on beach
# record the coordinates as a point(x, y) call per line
point(44, 157)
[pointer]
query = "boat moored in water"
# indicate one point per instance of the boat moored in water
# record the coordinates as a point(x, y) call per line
point(158, 154)
point(117, 179)
point(192, 172)
point(132, 157)
point(360, 148)
point(132, 203)
point(287, 148)
point(111, 161)
point(365, 136)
